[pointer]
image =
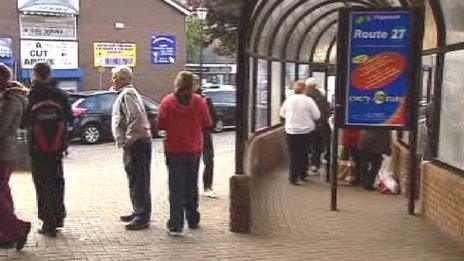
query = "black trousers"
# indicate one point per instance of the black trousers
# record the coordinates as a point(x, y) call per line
point(208, 159)
point(298, 145)
point(370, 164)
point(47, 172)
point(316, 147)
point(137, 162)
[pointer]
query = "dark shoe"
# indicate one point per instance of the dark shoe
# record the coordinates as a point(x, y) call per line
point(193, 225)
point(138, 225)
point(60, 223)
point(7, 245)
point(47, 231)
point(127, 218)
point(22, 241)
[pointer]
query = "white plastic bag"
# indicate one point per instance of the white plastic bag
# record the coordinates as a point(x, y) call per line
point(385, 181)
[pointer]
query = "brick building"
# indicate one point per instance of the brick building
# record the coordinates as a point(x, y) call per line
point(84, 39)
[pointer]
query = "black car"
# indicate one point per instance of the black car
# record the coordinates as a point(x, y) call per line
point(92, 115)
point(224, 101)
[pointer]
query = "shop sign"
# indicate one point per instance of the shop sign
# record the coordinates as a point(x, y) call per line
point(49, 6)
point(378, 84)
point(48, 27)
point(114, 54)
point(60, 55)
point(163, 49)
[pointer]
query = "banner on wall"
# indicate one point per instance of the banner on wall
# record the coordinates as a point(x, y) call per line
point(48, 27)
point(114, 54)
point(163, 49)
point(49, 6)
point(378, 81)
point(60, 55)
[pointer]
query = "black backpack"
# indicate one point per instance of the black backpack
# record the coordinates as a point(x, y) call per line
point(48, 127)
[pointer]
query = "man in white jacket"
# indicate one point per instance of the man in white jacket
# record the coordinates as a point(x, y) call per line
point(300, 113)
point(131, 131)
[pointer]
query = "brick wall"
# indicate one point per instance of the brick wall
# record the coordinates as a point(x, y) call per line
point(443, 198)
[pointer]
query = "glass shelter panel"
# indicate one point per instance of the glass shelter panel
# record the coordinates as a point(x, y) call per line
point(290, 78)
point(430, 33)
point(262, 91)
point(454, 12)
point(276, 92)
point(451, 140)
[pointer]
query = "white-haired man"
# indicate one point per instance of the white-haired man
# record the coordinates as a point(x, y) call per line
point(321, 135)
point(131, 131)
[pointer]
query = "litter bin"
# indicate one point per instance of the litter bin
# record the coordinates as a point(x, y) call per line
point(24, 159)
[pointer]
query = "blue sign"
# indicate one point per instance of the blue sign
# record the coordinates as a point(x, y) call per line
point(163, 49)
point(6, 51)
point(378, 64)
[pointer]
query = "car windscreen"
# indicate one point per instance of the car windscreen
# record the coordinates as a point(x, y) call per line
point(149, 104)
point(222, 96)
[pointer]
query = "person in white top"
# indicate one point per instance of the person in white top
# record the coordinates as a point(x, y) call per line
point(300, 113)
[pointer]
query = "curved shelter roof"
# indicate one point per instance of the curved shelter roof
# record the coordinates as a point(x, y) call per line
point(300, 31)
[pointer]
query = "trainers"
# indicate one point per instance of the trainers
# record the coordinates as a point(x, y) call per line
point(175, 233)
point(209, 193)
point(297, 183)
point(306, 179)
point(314, 170)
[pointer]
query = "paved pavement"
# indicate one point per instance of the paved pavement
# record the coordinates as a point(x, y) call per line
point(293, 223)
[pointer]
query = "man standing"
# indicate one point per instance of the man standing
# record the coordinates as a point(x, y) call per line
point(131, 131)
point(46, 116)
point(208, 148)
point(13, 231)
point(321, 134)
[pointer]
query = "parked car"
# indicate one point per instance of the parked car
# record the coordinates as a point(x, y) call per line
point(92, 115)
point(224, 101)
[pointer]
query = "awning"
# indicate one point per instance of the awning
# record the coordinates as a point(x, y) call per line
point(57, 74)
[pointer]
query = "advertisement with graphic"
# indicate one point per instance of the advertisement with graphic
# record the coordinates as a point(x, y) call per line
point(6, 50)
point(60, 55)
point(378, 64)
point(49, 6)
point(114, 54)
point(48, 27)
point(163, 49)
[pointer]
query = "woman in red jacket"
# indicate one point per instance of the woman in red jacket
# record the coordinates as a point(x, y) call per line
point(183, 115)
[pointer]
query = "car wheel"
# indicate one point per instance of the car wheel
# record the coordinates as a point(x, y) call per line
point(91, 134)
point(219, 127)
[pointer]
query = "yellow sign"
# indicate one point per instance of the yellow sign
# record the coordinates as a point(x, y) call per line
point(114, 54)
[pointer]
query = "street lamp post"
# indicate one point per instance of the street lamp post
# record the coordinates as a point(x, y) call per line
point(202, 13)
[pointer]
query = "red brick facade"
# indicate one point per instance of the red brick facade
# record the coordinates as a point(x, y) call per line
point(96, 23)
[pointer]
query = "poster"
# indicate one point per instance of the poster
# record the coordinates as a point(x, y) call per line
point(60, 55)
point(48, 27)
point(6, 50)
point(114, 54)
point(49, 6)
point(378, 64)
point(163, 49)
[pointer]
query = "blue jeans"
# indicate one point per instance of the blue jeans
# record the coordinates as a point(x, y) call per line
point(137, 161)
point(183, 192)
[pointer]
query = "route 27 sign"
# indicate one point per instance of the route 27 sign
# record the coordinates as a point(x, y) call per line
point(163, 49)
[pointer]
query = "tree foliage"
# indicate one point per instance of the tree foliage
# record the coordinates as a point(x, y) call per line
point(222, 23)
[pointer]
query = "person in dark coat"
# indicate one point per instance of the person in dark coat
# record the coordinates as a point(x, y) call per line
point(208, 148)
point(47, 168)
point(374, 144)
point(321, 134)
point(13, 231)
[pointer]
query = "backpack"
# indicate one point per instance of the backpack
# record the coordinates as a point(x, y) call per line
point(48, 126)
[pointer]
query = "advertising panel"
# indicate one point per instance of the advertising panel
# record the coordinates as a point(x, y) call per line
point(49, 6)
point(163, 49)
point(60, 55)
point(114, 54)
point(378, 80)
point(6, 49)
point(48, 27)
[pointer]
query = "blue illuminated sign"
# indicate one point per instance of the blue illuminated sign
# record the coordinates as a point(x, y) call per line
point(378, 80)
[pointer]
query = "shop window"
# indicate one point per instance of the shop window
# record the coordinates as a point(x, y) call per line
point(451, 141)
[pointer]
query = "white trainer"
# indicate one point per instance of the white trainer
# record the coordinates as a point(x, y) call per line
point(209, 193)
point(175, 233)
